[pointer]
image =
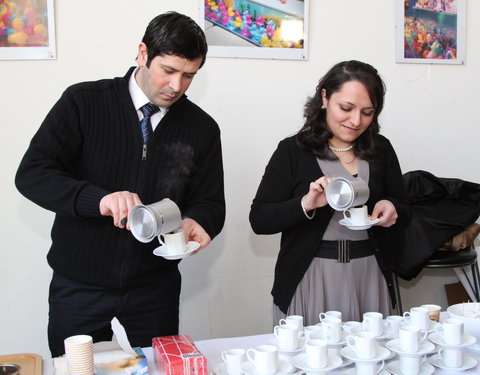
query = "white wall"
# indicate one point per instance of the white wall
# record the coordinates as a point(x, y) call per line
point(431, 117)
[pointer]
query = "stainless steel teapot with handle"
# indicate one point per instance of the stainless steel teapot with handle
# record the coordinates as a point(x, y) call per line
point(343, 193)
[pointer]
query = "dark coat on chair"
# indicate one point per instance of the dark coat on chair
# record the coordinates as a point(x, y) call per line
point(441, 208)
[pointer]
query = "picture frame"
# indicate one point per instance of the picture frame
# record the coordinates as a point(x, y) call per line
point(265, 29)
point(430, 31)
point(28, 31)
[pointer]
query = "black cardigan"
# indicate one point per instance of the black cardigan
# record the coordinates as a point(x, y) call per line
point(276, 208)
point(89, 145)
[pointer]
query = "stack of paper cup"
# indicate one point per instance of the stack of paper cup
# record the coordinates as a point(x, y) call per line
point(79, 354)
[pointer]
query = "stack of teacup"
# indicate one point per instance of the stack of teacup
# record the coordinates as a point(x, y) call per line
point(412, 349)
point(79, 355)
point(289, 333)
point(451, 339)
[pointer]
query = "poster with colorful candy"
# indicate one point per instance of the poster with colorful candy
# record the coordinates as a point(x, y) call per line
point(256, 28)
point(430, 31)
point(27, 29)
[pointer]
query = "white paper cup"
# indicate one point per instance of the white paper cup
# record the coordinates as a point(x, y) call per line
point(79, 355)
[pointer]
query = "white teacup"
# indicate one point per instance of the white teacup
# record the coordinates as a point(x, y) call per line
point(331, 330)
point(418, 316)
point(410, 365)
point(451, 357)
point(373, 322)
point(393, 323)
point(264, 358)
point(293, 320)
point(410, 338)
point(287, 336)
point(330, 314)
point(233, 359)
point(308, 330)
point(351, 325)
point(316, 353)
point(368, 368)
point(451, 330)
point(357, 215)
point(363, 344)
point(174, 242)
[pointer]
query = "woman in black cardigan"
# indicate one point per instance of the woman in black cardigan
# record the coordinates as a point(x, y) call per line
point(340, 138)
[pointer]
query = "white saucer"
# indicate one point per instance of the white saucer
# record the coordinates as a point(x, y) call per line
point(437, 338)
point(220, 369)
point(301, 346)
point(468, 363)
point(425, 368)
point(343, 338)
point(191, 247)
point(353, 371)
point(383, 336)
point(300, 362)
point(349, 225)
point(284, 367)
point(425, 348)
point(382, 354)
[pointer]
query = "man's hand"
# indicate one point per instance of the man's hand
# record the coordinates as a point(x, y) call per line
point(194, 232)
point(118, 205)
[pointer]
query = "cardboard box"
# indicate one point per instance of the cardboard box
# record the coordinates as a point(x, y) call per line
point(178, 355)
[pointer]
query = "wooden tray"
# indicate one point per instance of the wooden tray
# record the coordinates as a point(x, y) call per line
point(31, 364)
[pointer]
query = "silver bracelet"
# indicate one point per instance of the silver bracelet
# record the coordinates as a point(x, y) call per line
point(305, 212)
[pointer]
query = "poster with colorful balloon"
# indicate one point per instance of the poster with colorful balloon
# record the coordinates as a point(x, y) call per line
point(430, 31)
point(27, 30)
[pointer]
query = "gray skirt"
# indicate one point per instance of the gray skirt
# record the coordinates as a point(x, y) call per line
point(353, 288)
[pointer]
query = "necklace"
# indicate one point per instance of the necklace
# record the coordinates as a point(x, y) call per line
point(338, 149)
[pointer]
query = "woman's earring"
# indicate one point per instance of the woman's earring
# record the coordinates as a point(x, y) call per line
point(323, 107)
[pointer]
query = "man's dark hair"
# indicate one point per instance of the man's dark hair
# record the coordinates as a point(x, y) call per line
point(175, 34)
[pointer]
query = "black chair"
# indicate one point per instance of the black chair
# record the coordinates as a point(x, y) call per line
point(448, 259)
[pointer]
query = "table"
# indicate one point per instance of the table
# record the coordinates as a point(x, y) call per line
point(212, 349)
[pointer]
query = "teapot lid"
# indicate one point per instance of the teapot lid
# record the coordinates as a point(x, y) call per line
point(143, 223)
point(340, 194)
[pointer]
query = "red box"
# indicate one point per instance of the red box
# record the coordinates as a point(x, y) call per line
point(178, 355)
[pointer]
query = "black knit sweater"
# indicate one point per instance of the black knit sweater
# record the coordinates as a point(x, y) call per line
point(89, 145)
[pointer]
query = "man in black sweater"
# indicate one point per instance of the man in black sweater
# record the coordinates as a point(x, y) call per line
point(89, 162)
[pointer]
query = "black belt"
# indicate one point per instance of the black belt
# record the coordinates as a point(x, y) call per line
point(344, 250)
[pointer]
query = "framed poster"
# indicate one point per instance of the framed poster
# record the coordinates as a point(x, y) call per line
point(267, 29)
point(430, 31)
point(27, 30)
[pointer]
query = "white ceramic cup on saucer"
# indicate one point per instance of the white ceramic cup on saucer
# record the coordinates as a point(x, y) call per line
point(330, 314)
point(351, 325)
point(287, 336)
point(293, 320)
point(331, 330)
point(369, 368)
point(357, 215)
point(174, 242)
point(316, 353)
point(410, 365)
point(373, 322)
point(451, 331)
point(264, 358)
point(393, 323)
point(418, 316)
point(233, 359)
point(308, 330)
point(451, 357)
point(363, 344)
point(410, 338)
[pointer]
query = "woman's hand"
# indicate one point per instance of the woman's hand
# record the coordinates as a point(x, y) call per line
point(384, 211)
point(316, 194)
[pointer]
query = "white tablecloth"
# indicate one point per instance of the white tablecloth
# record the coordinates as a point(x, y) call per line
point(212, 350)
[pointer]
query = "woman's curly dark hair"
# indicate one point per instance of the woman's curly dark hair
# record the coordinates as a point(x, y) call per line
point(315, 133)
